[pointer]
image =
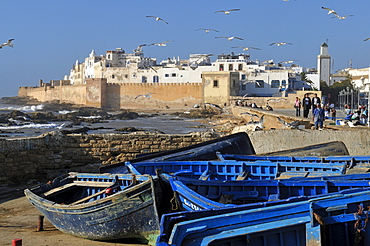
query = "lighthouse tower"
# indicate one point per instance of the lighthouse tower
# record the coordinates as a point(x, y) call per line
point(323, 64)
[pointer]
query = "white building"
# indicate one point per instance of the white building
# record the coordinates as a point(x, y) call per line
point(360, 78)
point(261, 79)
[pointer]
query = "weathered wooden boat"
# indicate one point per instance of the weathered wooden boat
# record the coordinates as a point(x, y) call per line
point(338, 219)
point(237, 170)
point(354, 164)
point(334, 148)
point(198, 194)
point(102, 206)
point(238, 143)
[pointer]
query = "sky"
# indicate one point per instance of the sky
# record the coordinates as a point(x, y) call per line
point(49, 36)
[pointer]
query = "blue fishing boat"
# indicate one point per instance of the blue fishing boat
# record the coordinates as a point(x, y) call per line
point(338, 219)
point(238, 143)
point(237, 170)
point(197, 194)
point(102, 206)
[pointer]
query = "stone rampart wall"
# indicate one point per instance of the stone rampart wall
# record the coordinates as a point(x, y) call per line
point(52, 154)
point(123, 95)
point(75, 94)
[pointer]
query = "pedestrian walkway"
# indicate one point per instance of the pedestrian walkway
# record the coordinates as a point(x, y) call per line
point(291, 113)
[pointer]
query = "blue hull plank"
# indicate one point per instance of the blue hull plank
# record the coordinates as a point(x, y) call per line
point(197, 194)
point(235, 170)
point(326, 220)
point(238, 143)
point(349, 161)
point(101, 206)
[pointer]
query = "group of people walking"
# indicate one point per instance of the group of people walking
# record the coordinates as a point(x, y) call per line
point(318, 113)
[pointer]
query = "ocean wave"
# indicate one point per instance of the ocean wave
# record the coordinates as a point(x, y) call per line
point(31, 125)
point(28, 108)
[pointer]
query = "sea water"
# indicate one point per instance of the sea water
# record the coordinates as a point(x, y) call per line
point(163, 123)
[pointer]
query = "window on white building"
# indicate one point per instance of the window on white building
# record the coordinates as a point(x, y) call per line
point(143, 79)
point(221, 68)
point(166, 75)
point(243, 76)
point(173, 75)
point(112, 76)
point(275, 83)
point(240, 67)
point(215, 83)
point(231, 67)
point(155, 79)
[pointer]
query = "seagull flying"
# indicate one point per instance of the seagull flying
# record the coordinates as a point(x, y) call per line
point(207, 30)
point(341, 17)
point(330, 11)
point(280, 44)
point(8, 43)
point(157, 18)
point(139, 48)
point(367, 39)
point(149, 95)
point(268, 62)
point(161, 44)
point(226, 12)
point(231, 38)
point(287, 62)
point(257, 125)
point(291, 125)
point(246, 48)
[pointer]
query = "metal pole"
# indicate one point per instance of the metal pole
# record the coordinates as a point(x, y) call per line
point(352, 102)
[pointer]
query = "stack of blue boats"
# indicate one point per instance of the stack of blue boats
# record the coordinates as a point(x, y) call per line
point(215, 193)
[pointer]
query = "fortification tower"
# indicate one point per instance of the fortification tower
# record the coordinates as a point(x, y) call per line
point(323, 64)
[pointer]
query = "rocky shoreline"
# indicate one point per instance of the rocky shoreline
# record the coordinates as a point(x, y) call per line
point(75, 116)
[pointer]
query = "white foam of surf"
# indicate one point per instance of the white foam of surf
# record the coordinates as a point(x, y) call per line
point(31, 125)
point(28, 108)
point(66, 111)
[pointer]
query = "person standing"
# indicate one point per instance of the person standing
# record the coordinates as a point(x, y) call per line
point(315, 100)
point(297, 106)
point(306, 105)
point(318, 117)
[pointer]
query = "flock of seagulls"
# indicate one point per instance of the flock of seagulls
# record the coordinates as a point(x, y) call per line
point(8, 43)
point(231, 38)
point(332, 11)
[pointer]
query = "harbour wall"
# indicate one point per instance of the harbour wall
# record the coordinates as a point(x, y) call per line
point(52, 154)
point(98, 93)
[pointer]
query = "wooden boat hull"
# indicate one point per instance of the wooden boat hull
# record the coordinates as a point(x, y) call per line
point(335, 148)
point(197, 194)
point(129, 213)
point(234, 170)
point(238, 143)
point(338, 219)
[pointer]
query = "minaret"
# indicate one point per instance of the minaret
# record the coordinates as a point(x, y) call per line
point(323, 64)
